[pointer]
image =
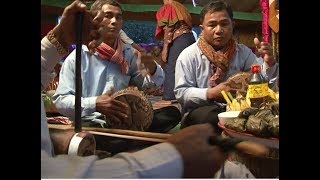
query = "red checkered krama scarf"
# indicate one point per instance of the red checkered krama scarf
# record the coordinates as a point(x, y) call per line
point(219, 60)
point(108, 53)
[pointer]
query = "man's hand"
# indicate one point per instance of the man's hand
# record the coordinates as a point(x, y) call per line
point(116, 110)
point(214, 93)
point(200, 159)
point(93, 30)
point(148, 62)
point(264, 49)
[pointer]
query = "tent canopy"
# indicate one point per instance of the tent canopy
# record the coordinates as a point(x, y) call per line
point(247, 10)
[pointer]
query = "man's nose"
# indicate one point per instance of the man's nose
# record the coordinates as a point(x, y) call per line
point(114, 20)
point(219, 29)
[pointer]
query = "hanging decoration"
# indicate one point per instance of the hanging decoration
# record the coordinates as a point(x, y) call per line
point(264, 4)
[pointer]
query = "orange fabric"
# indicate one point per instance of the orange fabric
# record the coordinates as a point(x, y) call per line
point(273, 16)
point(166, 16)
point(169, 14)
point(173, 20)
point(219, 60)
point(106, 52)
point(182, 12)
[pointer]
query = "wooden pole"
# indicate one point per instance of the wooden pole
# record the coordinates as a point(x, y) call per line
point(78, 29)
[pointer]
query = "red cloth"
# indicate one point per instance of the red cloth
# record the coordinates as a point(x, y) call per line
point(166, 16)
point(108, 53)
point(59, 120)
point(173, 20)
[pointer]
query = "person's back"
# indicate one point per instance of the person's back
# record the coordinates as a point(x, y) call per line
point(174, 25)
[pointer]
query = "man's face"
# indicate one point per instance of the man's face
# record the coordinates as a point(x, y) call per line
point(217, 28)
point(112, 20)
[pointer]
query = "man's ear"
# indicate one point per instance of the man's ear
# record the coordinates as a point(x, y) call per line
point(233, 27)
point(201, 27)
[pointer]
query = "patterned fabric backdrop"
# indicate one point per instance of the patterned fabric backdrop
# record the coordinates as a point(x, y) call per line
point(143, 31)
point(140, 31)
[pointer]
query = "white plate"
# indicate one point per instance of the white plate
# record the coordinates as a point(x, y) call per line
point(269, 142)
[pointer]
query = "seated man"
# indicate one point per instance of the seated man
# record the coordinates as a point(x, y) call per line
point(109, 69)
point(203, 68)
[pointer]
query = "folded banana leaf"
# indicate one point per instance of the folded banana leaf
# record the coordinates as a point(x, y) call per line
point(257, 126)
point(247, 112)
point(273, 126)
point(237, 124)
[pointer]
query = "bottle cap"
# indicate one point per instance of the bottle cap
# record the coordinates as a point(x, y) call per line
point(255, 68)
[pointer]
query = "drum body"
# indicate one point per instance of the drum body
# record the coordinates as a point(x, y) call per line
point(140, 110)
point(66, 141)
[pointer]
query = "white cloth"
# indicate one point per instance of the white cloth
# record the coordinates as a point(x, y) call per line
point(234, 170)
point(125, 38)
point(158, 161)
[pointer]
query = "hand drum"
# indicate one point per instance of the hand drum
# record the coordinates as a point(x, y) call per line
point(140, 109)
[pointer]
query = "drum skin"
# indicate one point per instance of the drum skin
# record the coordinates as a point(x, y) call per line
point(140, 109)
point(239, 82)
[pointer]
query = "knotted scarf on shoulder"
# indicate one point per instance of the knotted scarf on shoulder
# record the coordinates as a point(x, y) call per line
point(219, 61)
point(105, 52)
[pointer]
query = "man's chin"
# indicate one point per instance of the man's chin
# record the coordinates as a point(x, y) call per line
point(112, 33)
point(217, 46)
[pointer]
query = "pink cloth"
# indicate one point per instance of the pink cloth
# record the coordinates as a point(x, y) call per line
point(59, 120)
point(265, 25)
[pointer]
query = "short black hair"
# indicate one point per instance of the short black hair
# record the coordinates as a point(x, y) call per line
point(216, 5)
point(97, 5)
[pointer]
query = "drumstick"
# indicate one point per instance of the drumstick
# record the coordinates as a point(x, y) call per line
point(115, 131)
point(252, 148)
point(129, 132)
point(127, 136)
point(247, 147)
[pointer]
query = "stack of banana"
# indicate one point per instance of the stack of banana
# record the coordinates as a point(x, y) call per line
point(240, 103)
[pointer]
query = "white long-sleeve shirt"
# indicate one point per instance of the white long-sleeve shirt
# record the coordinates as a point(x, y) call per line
point(125, 38)
point(158, 161)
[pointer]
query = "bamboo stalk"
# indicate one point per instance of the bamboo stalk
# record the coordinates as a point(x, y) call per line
point(129, 132)
point(127, 136)
point(115, 131)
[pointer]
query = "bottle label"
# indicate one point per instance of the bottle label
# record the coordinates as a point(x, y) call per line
point(257, 90)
